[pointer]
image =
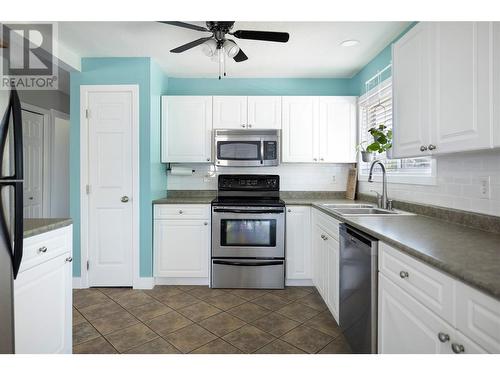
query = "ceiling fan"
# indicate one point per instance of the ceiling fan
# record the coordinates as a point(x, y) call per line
point(217, 43)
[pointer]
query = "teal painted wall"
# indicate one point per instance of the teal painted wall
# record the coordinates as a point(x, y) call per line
point(378, 63)
point(116, 71)
point(260, 86)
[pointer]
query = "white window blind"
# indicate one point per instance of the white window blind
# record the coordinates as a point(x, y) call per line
point(375, 108)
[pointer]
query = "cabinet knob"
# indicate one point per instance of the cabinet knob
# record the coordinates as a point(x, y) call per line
point(432, 147)
point(69, 259)
point(181, 212)
point(315, 159)
point(249, 125)
point(124, 199)
point(323, 237)
point(423, 148)
point(42, 250)
point(321, 159)
point(243, 126)
point(457, 348)
point(443, 337)
point(208, 159)
point(205, 223)
point(403, 274)
point(289, 210)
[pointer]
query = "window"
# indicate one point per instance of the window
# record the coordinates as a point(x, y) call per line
point(375, 108)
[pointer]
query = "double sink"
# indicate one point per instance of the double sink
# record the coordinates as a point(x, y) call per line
point(360, 210)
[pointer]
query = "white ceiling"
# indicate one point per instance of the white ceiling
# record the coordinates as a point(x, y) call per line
point(313, 50)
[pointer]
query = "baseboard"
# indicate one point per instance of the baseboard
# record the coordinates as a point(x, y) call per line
point(302, 282)
point(77, 283)
point(181, 281)
point(144, 283)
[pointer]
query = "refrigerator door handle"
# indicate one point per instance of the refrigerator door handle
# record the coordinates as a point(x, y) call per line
point(18, 136)
point(18, 228)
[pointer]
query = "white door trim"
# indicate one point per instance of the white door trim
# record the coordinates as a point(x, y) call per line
point(84, 176)
point(47, 172)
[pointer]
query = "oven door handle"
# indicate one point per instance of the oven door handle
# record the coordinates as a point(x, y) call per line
point(236, 211)
point(252, 264)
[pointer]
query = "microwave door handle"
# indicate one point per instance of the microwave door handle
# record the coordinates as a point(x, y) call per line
point(261, 151)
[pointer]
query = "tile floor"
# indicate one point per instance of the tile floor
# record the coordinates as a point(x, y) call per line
point(197, 319)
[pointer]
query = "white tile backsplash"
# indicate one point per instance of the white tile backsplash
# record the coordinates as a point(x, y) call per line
point(293, 177)
point(457, 184)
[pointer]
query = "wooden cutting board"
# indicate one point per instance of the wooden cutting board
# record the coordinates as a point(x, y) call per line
point(352, 179)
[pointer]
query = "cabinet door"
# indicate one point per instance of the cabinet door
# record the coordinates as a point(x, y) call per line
point(405, 326)
point(337, 129)
point(411, 89)
point(264, 112)
point(332, 284)
point(496, 84)
point(461, 86)
point(298, 243)
point(317, 247)
point(42, 308)
point(186, 129)
point(300, 129)
point(230, 112)
point(182, 248)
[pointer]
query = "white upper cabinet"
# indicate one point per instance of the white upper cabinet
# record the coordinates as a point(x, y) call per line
point(411, 89)
point(300, 129)
point(247, 112)
point(230, 112)
point(442, 88)
point(337, 129)
point(186, 129)
point(461, 86)
point(264, 112)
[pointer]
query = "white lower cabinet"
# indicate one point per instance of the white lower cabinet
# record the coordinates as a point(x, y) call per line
point(182, 244)
point(422, 310)
point(325, 255)
point(298, 243)
point(43, 296)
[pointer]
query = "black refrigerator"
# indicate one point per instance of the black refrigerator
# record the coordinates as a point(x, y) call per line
point(11, 211)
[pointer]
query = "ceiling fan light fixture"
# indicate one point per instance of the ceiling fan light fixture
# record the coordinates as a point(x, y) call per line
point(231, 48)
point(209, 47)
point(349, 43)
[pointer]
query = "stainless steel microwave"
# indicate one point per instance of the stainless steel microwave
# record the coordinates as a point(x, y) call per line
point(247, 148)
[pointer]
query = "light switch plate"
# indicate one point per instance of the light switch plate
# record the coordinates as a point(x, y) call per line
point(484, 187)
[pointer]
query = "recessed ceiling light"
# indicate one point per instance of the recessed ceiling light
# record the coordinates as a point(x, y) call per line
point(349, 43)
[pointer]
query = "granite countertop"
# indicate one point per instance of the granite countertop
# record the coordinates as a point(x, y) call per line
point(33, 227)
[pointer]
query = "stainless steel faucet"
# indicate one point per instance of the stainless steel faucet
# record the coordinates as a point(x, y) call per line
point(381, 199)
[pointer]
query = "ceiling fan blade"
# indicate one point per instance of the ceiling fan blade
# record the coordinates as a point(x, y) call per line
point(240, 56)
point(190, 45)
point(185, 25)
point(270, 36)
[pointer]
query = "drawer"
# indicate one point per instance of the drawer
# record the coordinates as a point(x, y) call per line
point(478, 317)
point(328, 223)
point(430, 287)
point(180, 211)
point(45, 246)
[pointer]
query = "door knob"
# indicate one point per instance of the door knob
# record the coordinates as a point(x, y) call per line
point(423, 148)
point(124, 199)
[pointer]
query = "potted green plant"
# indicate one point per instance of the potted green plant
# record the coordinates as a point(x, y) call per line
point(382, 142)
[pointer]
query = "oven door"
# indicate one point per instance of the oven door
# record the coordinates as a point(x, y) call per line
point(248, 232)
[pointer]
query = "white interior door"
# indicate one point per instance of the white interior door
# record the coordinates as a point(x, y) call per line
point(60, 168)
point(33, 129)
point(110, 178)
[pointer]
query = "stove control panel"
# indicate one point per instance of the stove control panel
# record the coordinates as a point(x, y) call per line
point(249, 182)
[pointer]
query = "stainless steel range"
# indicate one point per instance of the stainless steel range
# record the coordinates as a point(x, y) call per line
point(248, 233)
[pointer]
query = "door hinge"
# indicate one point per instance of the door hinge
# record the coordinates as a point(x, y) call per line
point(87, 189)
point(87, 113)
point(87, 265)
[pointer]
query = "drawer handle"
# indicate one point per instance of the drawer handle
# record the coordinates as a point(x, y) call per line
point(69, 259)
point(180, 212)
point(404, 274)
point(457, 348)
point(443, 337)
point(42, 250)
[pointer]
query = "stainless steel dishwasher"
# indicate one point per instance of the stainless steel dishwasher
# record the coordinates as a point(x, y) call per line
point(358, 289)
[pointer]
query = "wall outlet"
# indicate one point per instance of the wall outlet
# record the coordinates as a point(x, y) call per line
point(484, 187)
